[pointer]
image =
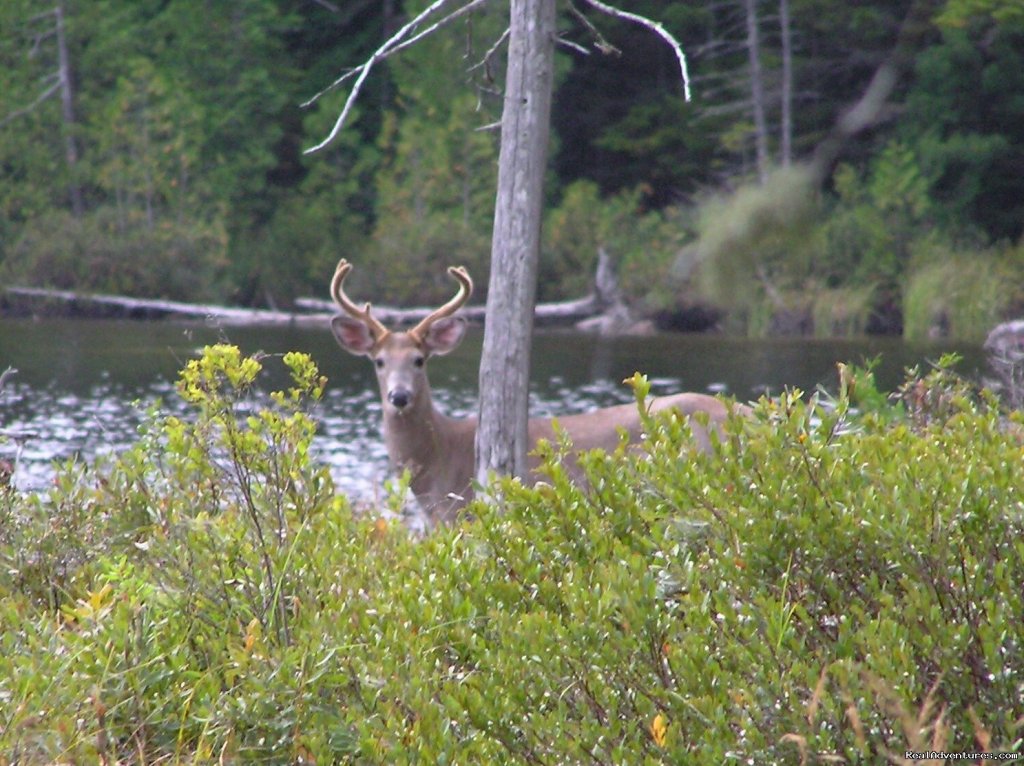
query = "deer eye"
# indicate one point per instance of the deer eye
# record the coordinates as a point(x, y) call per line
point(379, 361)
point(418, 361)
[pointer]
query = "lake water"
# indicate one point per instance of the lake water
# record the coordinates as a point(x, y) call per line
point(83, 385)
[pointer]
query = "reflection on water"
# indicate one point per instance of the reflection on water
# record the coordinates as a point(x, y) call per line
point(83, 387)
point(50, 423)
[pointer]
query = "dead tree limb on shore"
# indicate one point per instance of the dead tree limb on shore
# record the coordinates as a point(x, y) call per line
point(68, 302)
point(313, 312)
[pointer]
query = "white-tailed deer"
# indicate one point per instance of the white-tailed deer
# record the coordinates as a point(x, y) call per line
point(438, 450)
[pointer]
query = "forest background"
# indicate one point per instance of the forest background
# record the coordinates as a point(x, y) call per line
point(155, 148)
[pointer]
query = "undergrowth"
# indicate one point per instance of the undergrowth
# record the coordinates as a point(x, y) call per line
point(830, 586)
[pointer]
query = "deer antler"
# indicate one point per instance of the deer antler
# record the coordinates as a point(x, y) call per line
point(465, 290)
point(377, 330)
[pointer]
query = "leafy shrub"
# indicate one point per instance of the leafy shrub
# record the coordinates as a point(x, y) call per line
point(842, 311)
point(152, 603)
point(179, 260)
point(958, 295)
point(825, 587)
point(644, 246)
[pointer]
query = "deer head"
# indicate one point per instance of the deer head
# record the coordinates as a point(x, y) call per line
point(399, 357)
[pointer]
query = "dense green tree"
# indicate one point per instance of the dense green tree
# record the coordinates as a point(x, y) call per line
point(965, 118)
point(620, 115)
point(34, 174)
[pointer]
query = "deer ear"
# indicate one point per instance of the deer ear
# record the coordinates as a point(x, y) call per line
point(445, 335)
point(352, 335)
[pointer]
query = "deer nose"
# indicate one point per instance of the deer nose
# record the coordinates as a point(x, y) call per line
point(399, 397)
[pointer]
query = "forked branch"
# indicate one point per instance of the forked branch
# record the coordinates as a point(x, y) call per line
point(599, 40)
point(485, 62)
point(393, 45)
point(364, 71)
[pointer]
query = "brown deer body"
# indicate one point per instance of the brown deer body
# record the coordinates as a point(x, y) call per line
point(437, 450)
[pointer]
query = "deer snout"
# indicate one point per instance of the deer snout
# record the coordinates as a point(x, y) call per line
point(400, 397)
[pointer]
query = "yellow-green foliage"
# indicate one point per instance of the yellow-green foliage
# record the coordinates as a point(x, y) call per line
point(961, 296)
point(749, 236)
point(826, 588)
point(642, 245)
point(842, 311)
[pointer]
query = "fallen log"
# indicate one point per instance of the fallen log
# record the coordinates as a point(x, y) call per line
point(314, 312)
point(119, 306)
point(587, 313)
point(561, 312)
point(603, 310)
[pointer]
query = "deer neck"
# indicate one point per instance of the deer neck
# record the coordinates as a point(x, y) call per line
point(437, 450)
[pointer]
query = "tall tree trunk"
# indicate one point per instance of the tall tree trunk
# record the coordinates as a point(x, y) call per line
point(68, 113)
point(786, 139)
point(501, 440)
point(757, 90)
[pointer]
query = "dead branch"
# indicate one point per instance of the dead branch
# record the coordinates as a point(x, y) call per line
point(453, 16)
point(658, 29)
point(400, 41)
point(485, 62)
point(571, 45)
point(871, 106)
point(600, 42)
point(395, 44)
point(7, 375)
point(364, 71)
point(40, 99)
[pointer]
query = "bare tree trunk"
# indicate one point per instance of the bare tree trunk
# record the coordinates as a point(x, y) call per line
point(757, 90)
point(68, 113)
point(501, 439)
point(786, 147)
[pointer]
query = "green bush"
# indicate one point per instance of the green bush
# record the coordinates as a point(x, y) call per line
point(646, 248)
point(842, 311)
point(179, 259)
point(827, 587)
point(958, 295)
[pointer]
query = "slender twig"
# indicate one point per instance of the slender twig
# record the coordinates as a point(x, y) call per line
point(38, 40)
point(485, 62)
point(600, 42)
point(571, 45)
point(657, 28)
point(42, 97)
point(7, 375)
